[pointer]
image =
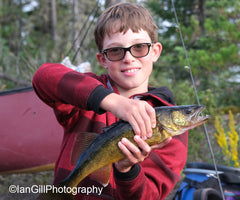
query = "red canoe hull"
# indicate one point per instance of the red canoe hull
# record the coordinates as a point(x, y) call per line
point(30, 135)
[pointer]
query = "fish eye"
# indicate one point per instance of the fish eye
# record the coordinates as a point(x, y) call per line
point(188, 111)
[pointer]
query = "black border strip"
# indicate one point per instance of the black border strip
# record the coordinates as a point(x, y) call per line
point(18, 90)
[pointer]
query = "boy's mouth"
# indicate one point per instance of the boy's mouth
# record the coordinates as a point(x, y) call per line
point(131, 71)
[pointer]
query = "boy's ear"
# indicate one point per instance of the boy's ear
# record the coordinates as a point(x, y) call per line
point(157, 49)
point(101, 59)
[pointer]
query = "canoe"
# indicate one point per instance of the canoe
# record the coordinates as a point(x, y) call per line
point(30, 136)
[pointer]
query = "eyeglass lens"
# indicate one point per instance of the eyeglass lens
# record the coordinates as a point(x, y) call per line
point(118, 53)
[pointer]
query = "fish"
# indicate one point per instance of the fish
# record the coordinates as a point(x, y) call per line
point(99, 155)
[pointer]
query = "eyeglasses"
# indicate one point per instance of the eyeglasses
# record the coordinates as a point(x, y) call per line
point(136, 50)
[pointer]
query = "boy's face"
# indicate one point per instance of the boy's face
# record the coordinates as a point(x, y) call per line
point(130, 73)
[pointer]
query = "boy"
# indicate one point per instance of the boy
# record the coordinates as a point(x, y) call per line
point(126, 37)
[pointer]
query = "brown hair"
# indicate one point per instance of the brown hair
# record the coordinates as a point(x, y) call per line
point(122, 17)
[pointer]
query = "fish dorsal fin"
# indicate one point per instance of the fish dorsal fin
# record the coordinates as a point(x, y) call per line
point(81, 142)
point(107, 128)
point(102, 175)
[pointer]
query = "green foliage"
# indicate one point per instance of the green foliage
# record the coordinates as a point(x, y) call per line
point(197, 146)
point(212, 49)
point(26, 37)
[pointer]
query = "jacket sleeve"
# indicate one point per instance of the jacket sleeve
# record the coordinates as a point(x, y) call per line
point(157, 175)
point(66, 90)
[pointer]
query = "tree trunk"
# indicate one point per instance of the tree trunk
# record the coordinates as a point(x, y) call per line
point(76, 31)
point(53, 20)
point(201, 16)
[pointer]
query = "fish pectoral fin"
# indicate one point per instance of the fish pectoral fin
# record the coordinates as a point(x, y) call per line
point(102, 175)
point(81, 142)
point(162, 144)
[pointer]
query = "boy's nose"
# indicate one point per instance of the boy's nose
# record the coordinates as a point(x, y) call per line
point(128, 56)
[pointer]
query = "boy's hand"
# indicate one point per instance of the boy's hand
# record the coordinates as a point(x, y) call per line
point(135, 154)
point(138, 113)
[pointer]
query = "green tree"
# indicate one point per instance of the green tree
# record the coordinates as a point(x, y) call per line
point(211, 34)
point(34, 32)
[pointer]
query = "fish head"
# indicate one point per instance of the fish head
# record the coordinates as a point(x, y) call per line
point(178, 119)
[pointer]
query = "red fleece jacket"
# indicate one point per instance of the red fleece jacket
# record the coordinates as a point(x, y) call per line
point(75, 99)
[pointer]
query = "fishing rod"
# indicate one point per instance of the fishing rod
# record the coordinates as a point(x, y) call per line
point(196, 94)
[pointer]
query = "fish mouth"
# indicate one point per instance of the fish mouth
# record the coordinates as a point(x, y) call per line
point(197, 118)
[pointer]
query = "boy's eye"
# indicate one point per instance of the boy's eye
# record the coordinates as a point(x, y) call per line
point(114, 50)
point(139, 47)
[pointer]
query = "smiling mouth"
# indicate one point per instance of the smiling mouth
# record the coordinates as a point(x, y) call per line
point(130, 70)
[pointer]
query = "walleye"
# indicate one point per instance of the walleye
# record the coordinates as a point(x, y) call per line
point(103, 151)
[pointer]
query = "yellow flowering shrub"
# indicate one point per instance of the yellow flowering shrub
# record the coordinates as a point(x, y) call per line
point(228, 142)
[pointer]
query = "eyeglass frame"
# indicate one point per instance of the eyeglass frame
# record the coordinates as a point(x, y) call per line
point(125, 49)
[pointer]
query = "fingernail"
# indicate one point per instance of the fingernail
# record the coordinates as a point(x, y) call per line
point(144, 137)
point(123, 140)
point(119, 143)
point(137, 137)
point(153, 125)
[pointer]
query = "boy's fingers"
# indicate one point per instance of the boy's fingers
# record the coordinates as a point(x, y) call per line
point(137, 119)
point(145, 148)
point(142, 125)
point(135, 127)
point(147, 127)
point(132, 152)
point(153, 117)
point(144, 120)
point(123, 145)
point(152, 122)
